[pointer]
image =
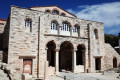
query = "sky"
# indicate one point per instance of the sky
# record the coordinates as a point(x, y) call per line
point(106, 11)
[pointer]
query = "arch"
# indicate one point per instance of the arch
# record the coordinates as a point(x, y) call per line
point(80, 54)
point(28, 23)
point(65, 29)
point(114, 62)
point(48, 11)
point(51, 53)
point(54, 27)
point(65, 56)
point(96, 33)
point(76, 30)
point(67, 42)
point(63, 14)
point(67, 22)
point(55, 11)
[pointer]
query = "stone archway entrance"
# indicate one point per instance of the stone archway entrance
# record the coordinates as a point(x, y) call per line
point(80, 55)
point(80, 58)
point(65, 56)
point(51, 53)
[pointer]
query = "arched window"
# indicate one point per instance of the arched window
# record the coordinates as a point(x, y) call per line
point(96, 33)
point(65, 26)
point(55, 12)
point(62, 14)
point(28, 23)
point(47, 11)
point(54, 25)
point(76, 31)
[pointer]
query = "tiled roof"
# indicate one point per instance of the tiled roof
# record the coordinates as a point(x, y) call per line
point(3, 19)
point(1, 24)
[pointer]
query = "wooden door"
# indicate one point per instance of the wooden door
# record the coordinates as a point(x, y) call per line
point(27, 66)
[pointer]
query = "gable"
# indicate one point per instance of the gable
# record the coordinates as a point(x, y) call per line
point(51, 8)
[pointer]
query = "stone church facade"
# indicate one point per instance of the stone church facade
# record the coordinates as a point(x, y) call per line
point(45, 40)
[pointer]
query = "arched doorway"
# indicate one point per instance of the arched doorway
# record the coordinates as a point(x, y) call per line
point(80, 55)
point(114, 62)
point(51, 53)
point(65, 57)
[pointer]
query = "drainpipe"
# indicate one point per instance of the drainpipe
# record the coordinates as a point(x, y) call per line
point(119, 45)
point(38, 48)
point(89, 60)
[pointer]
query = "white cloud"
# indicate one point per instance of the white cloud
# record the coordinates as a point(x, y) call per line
point(108, 13)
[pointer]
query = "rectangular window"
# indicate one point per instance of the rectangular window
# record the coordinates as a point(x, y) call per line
point(27, 66)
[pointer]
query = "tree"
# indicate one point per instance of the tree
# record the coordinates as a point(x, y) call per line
point(112, 39)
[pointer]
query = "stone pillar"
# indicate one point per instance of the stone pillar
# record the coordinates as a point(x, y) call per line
point(71, 31)
point(59, 30)
point(46, 74)
point(46, 53)
point(79, 33)
point(57, 61)
point(74, 61)
point(119, 45)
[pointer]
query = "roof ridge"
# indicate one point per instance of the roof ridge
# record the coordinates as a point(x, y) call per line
point(44, 6)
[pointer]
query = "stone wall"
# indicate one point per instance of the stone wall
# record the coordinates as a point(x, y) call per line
point(2, 25)
point(51, 8)
point(96, 44)
point(109, 54)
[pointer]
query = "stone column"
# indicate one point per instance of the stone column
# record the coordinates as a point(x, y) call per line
point(74, 61)
point(79, 33)
point(119, 45)
point(59, 30)
point(46, 74)
point(71, 31)
point(57, 61)
point(46, 53)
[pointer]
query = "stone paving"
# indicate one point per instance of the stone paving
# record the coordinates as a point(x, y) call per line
point(85, 76)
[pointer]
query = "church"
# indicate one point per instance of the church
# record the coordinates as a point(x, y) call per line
point(41, 41)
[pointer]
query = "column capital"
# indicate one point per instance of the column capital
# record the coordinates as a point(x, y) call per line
point(46, 48)
point(57, 50)
point(59, 26)
point(75, 50)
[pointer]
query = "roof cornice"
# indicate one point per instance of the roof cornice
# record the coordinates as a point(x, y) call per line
point(54, 6)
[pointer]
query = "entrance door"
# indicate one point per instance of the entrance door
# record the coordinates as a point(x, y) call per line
point(65, 56)
point(98, 63)
point(114, 62)
point(27, 66)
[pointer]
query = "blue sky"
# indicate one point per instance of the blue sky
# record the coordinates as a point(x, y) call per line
point(106, 11)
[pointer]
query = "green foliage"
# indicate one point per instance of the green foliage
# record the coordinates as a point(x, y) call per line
point(112, 39)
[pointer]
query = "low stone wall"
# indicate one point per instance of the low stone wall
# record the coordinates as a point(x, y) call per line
point(51, 71)
point(110, 53)
point(10, 71)
point(79, 68)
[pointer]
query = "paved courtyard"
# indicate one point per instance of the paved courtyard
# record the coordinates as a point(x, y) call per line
point(85, 76)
